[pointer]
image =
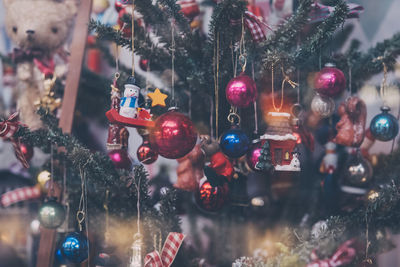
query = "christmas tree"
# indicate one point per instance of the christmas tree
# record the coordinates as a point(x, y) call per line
point(249, 185)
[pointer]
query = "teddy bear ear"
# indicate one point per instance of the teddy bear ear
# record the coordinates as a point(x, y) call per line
point(72, 6)
point(7, 3)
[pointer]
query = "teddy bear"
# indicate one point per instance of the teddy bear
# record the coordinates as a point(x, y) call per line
point(39, 29)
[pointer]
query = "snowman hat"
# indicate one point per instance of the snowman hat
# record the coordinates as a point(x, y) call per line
point(131, 81)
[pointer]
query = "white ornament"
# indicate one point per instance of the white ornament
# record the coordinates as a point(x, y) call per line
point(322, 106)
point(129, 103)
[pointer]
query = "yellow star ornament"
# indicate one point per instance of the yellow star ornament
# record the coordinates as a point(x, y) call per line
point(157, 98)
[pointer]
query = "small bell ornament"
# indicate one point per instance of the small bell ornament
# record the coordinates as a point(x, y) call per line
point(145, 153)
point(330, 81)
point(384, 127)
point(322, 106)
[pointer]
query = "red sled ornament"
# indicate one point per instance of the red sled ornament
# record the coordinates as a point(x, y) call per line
point(189, 8)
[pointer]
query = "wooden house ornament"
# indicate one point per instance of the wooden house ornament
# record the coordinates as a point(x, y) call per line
point(282, 142)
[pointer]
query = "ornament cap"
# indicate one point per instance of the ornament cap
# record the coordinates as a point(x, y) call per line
point(330, 65)
point(385, 109)
point(131, 80)
point(255, 141)
point(173, 109)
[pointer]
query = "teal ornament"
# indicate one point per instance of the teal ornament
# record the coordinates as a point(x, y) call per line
point(384, 126)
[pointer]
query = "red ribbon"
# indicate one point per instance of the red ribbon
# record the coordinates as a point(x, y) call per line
point(254, 25)
point(42, 61)
point(8, 128)
point(320, 12)
point(168, 253)
point(345, 254)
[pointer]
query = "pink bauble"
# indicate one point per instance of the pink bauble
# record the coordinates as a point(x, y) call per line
point(120, 159)
point(241, 91)
point(253, 155)
point(330, 81)
point(173, 135)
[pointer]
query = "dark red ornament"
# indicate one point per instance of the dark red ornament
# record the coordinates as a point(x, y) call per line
point(173, 135)
point(330, 81)
point(127, 31)
point(211, 198)
point(27, 151)
point(221, 164)
point(121, 159)
point(144, 64)
point(145, 153)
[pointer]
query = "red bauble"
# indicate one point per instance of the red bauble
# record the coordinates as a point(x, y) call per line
point(144, 63)
point(121, 159)
point(146, 154)
point(173, 135)
point(330, 81)
point(211, 198)
point(241, 91)
point(27, 150)
point(253, 155)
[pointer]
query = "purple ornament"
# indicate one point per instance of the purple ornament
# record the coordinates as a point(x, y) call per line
point(330, 81)
point(241, 91)
point(253, 154)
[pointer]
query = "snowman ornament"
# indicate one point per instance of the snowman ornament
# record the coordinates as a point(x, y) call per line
point(129, 102)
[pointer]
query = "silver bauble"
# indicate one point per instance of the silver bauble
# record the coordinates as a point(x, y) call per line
point(322, 106)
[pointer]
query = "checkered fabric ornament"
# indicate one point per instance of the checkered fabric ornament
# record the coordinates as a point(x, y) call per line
point(254, 25)
point(168, 253)
point(320, 12)
point(20, 194)
point(344, 255)
point(8, 128)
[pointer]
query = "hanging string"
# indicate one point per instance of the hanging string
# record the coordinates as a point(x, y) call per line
point(383, 86)
point(137, 243)
point(216, 81)
point(107, 223)
point(116, 58)
point(172, 48)
point(82, 213)
point(273, 92)
point(51, 171)
point(133, 37)
point(350, 81)
point(242, 49)
point(254, 104)
point(65, 201)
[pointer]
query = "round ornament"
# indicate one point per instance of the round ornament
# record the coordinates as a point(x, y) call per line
point(254, 154)
point(42, 179)
point(51, 214)
point(120, 159)
point(146, 154)
point(144, 63)
point(173, 135)
point(384, 126)
point(330, 81)
point(121, 4)
point(211, 198)
point(27, 150)
point(75, 247)
point(241, 91)
point(322, 106)
point(234, 143)
point(357, 171)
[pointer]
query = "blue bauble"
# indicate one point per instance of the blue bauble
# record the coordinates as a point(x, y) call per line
point(384, 126)
point(75, 247)
point(234, 143)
